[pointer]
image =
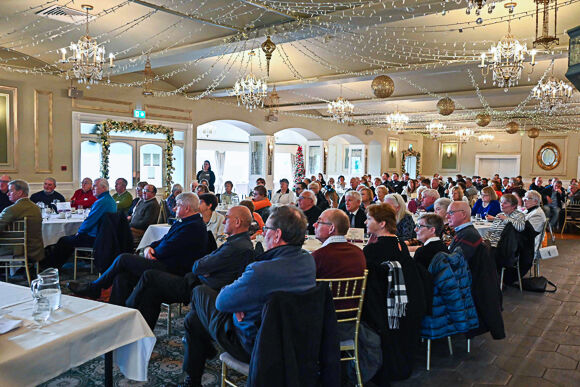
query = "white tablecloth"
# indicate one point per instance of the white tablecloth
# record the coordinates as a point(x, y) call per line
point(482, 227)
point(54, 228)
point(153, 233)
point(76, 333)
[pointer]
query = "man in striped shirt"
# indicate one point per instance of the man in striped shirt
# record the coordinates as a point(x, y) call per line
point(510, 213)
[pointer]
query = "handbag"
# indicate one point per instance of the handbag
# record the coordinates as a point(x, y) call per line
point(548, 252)
point(538, 284)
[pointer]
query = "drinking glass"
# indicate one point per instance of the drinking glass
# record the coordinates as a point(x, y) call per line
point(41, 310)
point(477, 217)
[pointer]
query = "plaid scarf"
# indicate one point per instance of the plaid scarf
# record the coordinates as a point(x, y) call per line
point(396, 293)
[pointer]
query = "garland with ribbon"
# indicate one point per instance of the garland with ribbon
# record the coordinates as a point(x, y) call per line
point(109, 125)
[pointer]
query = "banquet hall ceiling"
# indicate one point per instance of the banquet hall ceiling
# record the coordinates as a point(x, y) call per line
point(325, 49)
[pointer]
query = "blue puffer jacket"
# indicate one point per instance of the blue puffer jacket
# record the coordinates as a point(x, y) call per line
point(453, 308)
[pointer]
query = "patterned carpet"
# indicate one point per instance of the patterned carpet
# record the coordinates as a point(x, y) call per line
point(166, 359)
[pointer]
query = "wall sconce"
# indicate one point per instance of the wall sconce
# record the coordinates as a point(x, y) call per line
point(449, 152)
point(393, 150)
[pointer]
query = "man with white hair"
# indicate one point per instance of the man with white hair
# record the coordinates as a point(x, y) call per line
point(466, 236)
point(307, 203)
point(428, 199)
point(48, 194)
point(185, 242)
point(21, 208)
point(537, 184)
point(85, 237)
point(356, 215)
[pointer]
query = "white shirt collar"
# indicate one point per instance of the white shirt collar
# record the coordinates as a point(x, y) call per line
point(433, 239)
point(354, 212)
point(334, 239)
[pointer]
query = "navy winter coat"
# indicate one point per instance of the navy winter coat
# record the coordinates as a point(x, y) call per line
point(453, 308)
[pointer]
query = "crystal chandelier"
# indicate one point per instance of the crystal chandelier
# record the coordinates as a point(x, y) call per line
point(88, 57)
point(250, 90)
point(148, 78)
point(397, 121)
point(435, 128)
point(341, 109)
point(464, 134)
point(507, 61)
point(485, 138)
point(478, 5)
point(553, 94)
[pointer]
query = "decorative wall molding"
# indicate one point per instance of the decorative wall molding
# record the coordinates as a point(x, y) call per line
point(11, 164)
point(37, 131)
point(80, 103)
point(187, 116)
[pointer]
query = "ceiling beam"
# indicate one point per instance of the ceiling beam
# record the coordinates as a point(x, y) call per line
point(184, 15)
point(292, 31)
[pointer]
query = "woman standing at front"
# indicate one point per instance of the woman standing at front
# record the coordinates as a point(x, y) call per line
point(207, 174)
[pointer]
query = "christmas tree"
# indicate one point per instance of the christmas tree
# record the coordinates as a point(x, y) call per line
point(299, 170)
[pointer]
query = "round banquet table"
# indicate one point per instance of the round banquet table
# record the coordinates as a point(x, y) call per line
point(54, 228)
point(482, 226)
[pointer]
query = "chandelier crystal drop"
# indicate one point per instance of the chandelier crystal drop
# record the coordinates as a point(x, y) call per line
point(341, 109)
point(553, 94)
point(464, 134)
point(478, 5)
point(435, 129)
point(397, 121)
point(506, 61)
point(88, 57)
point(250, 90)
point(485, 138)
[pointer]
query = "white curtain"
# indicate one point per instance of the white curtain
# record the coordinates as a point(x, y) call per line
point(220, 160)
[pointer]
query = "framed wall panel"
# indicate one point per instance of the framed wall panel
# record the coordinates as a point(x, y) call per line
point(8, 129)
point(43, 131)
point(449, 156)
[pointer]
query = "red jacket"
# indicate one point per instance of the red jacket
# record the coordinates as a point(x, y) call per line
point(85, 199)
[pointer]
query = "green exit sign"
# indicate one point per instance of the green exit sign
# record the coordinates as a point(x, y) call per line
point(138, 113)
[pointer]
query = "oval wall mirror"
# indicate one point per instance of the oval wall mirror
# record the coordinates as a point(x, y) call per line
point(548, 156)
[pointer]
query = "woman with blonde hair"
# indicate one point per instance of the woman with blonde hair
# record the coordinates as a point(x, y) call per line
point(366, 196)
point(456, 194)
point(405, 222)
point(487, 204)
point(381, 191)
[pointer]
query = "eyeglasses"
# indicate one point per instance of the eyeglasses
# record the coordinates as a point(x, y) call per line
point(266, 228)
point(146, 190)
point(321, 222)
point(419, 226)
point(453, 212)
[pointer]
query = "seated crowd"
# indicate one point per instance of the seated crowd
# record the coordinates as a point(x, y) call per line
point(417, 228)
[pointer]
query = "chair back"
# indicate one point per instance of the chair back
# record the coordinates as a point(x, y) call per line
point(15, 235)
point(163, 212)
point(344, 290)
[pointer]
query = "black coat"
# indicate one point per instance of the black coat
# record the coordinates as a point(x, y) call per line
point(312, 215)
point(425, 254)
point(486, 294)
point(114, 238)
point(399, 345)
point(297, 344)
point(359, 218)
point(516, 246)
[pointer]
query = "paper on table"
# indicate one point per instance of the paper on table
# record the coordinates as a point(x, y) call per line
point(7, 325)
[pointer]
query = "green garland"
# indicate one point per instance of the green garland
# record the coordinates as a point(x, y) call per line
point(109, 125)
point(405, 154)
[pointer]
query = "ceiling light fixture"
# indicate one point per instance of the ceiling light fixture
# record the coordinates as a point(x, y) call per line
point(88, 57)
point(485, 138)
point(507, 60)
point(553, 94)
point(464, 134)
point(341, 109)
point(397, 121)
point(435, 128)
point(478, 5)
point(250, 90)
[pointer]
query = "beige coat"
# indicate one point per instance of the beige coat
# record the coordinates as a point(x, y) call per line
point(24, 207)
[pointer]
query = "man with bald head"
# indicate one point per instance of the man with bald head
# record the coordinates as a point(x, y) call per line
point(48, 194)
point(216, 270)
point(4, 200)
point(336, 258)
point(466, 236)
